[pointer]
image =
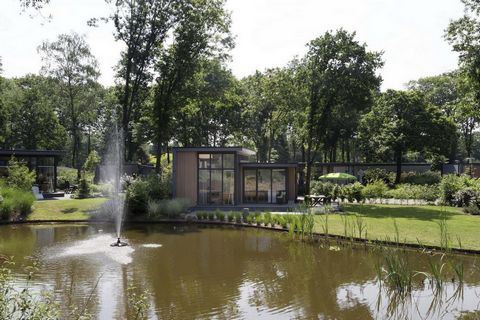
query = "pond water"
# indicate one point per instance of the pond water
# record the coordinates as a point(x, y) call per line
point(200, 272)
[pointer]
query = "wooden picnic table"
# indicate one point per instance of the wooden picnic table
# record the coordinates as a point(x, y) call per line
point(313, 200)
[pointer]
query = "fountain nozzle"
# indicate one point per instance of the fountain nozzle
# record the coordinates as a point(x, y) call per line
point(119, 243)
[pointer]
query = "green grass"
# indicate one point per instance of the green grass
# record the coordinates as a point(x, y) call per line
point(414, 223)
point(74, 209)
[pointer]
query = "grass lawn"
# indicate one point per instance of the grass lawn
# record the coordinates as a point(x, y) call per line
point(73, 209)
point(415, 224)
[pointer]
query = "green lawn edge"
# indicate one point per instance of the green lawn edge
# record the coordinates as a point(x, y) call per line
point(417, 224)
point(71, 209)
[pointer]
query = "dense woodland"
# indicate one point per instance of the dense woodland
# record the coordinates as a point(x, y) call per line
point(174, 88)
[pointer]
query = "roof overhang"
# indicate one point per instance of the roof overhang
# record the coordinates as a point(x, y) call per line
point(239, 150)
point(268, 165)
point(37, 153)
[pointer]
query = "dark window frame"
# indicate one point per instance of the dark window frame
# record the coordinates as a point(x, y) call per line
point(222, 169)
point(256, 183)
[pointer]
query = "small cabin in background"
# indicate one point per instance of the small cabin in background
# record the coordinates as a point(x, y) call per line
point(212, 177)
point(43, 162)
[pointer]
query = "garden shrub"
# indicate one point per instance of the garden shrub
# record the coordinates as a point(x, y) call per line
point(450, 185)
point(167, 208)
point(378, 174)
point(472, 209)
point(377, 189)
point(6, 209)
point(417, 192)
point(19, 176)
point(15, 202)
point(466, 197)
point(65, 175)
point(353, 192)
point(143, 189)
point(423, 178)
point(84, 189)
point(321, 187)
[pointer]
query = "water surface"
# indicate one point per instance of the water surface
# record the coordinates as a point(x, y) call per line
point(195, 272)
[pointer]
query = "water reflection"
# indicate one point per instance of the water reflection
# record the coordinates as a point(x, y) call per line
point(193, 272)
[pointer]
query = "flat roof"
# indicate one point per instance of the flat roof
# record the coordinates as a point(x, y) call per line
point(19, 152)
point(240, 150)
point(269, 165)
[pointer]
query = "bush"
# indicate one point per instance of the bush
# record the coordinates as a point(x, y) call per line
point(377, 174)
point(66, 175)
point(321, 187)
point(466, 197)
point(19, 176)
point(141, 190)
point(167, 208)
point(15, 202)
point(450, 185)
point(424, 178)
point(84, 189)
point(354, 192)
point(6, 209)
point(417, 192)
point(220, 215)
point(472, 209)
point(377, 189)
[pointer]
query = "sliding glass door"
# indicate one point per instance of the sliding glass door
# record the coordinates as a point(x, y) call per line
point(265, 186)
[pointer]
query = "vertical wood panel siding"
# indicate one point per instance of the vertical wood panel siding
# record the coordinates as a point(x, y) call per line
point(292, 184)
point(186, 176)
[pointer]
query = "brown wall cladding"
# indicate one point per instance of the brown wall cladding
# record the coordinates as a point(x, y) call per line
point(186, 176)
point(292, 184)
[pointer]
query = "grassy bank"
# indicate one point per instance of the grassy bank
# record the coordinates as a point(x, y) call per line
point(73, 209)
point(415, 224)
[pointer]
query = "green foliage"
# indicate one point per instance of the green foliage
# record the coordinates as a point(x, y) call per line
point(472, 209)
point(377, 189)
point(354, 191)
point(402, 121)
point(19, 176)
point(450, 185)
point(378, 174)
point(65, 175)
point(220, 215)
point(417, 192)
point(15, 202)
point(424, 178)
point(171, 208)
point(19, 301)
point(92, 161)
point(143, 189)
point(6, 209)
point(84, 189)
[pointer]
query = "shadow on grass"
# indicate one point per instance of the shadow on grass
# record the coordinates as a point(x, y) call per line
point(405, 212)
point(69, 210)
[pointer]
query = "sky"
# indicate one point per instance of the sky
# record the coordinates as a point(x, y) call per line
point(269, 33)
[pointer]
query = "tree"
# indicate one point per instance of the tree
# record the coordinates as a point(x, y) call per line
point(202, 30)
point(337, 72)
point(142, 26)
point(70, 62)
point(269, 105)
point(210, 107)
point(33, 121)
point(464, 36)
point(402, 121)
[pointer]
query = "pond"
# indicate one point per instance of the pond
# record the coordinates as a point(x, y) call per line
point(201, 272)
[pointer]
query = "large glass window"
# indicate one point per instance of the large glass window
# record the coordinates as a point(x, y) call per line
point(250, 185)
point(216, 178)
point(265, 186)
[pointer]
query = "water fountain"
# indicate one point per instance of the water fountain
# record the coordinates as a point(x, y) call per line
point(114, 169)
